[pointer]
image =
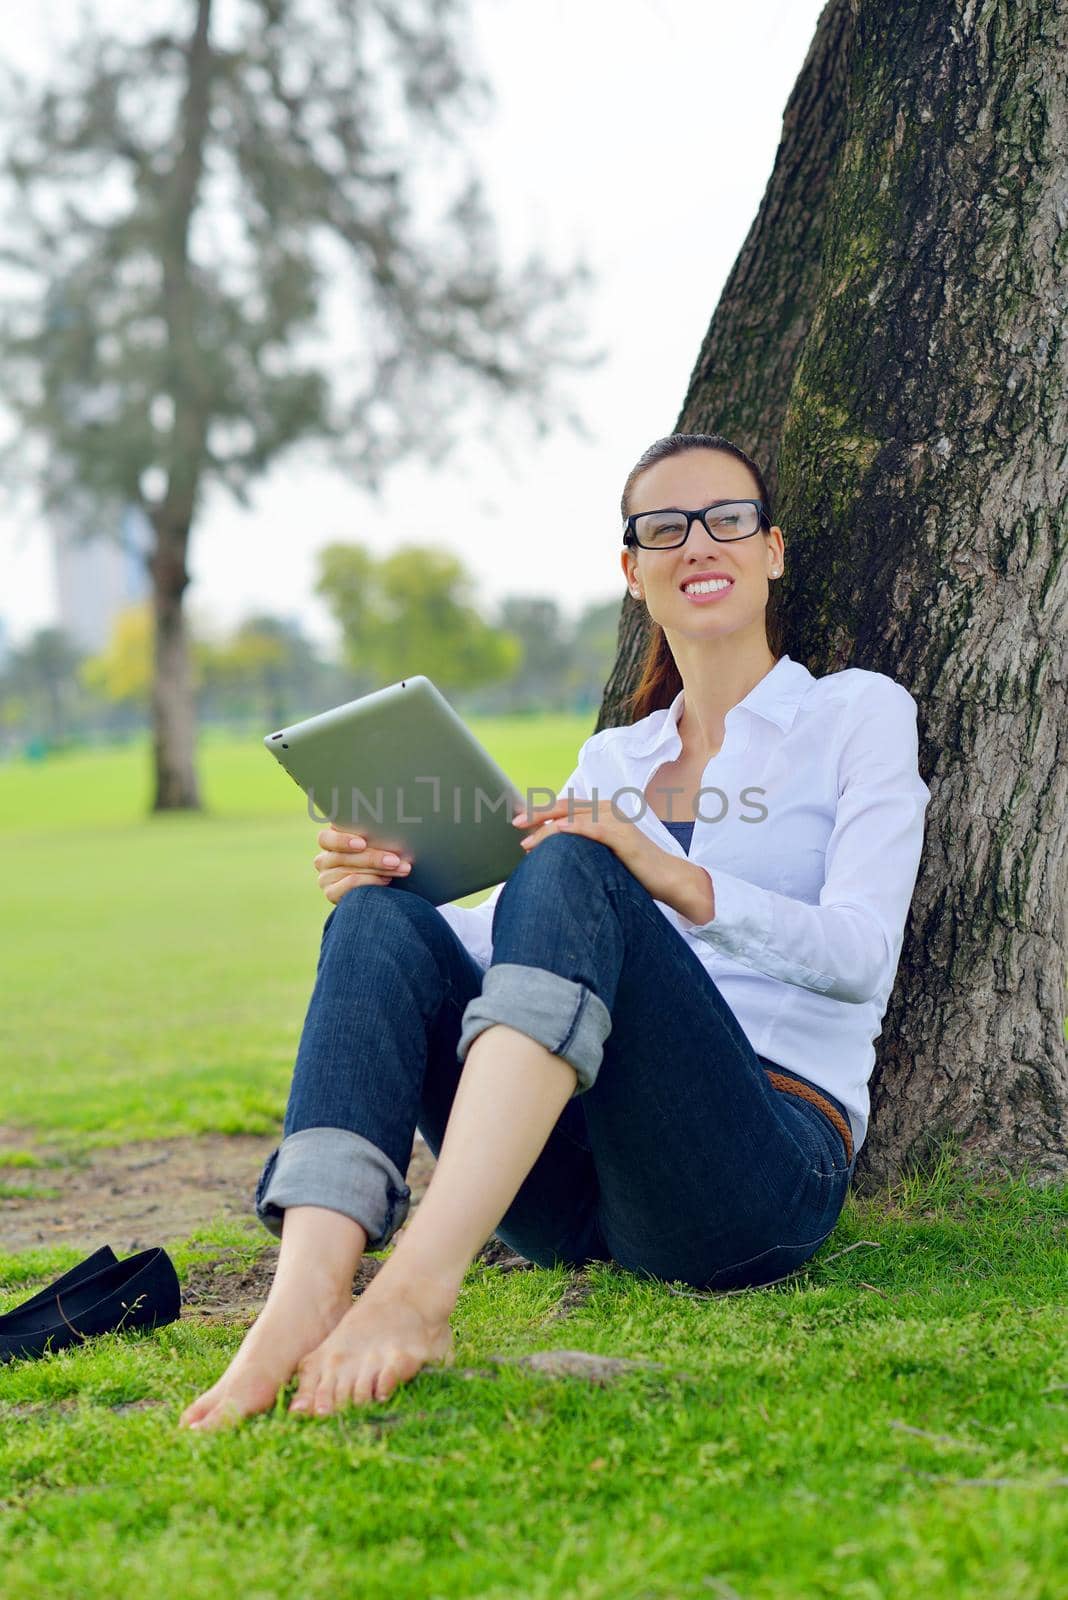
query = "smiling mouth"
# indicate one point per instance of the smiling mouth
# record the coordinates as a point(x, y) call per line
point(717, 585)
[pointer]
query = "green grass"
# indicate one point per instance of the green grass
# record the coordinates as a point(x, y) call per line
point(158, 967)
point(773, 1454)
point(890, 1422)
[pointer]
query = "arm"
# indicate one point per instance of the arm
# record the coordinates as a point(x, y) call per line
point(848, 945)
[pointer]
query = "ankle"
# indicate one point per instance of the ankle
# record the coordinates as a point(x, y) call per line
point(432, 1292)
point(321, 1250)
point(314, 1285)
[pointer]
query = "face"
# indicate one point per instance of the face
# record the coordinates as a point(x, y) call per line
point(689, 480)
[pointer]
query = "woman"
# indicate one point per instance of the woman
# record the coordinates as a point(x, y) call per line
point(651, 1045)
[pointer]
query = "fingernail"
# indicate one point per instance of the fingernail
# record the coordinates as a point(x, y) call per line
point(389, 859)
point(357, 844)
point(520, 816)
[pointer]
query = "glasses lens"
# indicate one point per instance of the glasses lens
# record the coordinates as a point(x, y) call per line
point(659, 530)
point(736, 521)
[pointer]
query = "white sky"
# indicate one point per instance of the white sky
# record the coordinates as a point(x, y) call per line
point(638, 134)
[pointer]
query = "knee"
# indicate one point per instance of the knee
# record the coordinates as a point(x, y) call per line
point(565, 858)
point(380, 907)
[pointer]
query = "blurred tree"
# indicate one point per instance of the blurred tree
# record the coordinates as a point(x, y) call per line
point(545, 658)
point(122, 671)
point(183, 203)
point(594, 642)
point(40, 683)
point(266, 668)
point(412, 611)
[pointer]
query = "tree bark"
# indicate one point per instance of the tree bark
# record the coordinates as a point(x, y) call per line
point(910, 402)
point(173, 707)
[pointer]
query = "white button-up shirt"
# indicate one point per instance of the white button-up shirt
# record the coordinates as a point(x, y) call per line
point(810, 821)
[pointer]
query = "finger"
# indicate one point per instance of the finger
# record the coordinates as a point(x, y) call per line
point(333, 875)
point(337, 883)
point(391, 862)
point(531, 819)
point(544, 831)
point(348, 886)
point(560, 808)
point(376, 860)
point(581, 823)
point(340, 839)
point(367, 860)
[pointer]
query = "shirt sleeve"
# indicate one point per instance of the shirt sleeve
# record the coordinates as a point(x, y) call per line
point(847, 946)
point(473, 925)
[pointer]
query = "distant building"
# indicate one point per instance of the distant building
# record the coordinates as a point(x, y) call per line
point(99, 577)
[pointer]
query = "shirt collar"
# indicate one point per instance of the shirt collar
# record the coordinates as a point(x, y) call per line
point(776, 697)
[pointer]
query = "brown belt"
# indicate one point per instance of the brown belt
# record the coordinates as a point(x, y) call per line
point(779, 1080)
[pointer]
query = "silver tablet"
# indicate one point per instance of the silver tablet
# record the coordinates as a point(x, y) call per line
point(401, 768)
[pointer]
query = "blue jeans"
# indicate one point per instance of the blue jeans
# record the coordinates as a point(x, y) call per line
point(674, 1157)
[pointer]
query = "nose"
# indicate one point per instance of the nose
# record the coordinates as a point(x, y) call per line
point(697, 527)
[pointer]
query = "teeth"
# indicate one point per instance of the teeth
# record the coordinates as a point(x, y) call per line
point(707, 588)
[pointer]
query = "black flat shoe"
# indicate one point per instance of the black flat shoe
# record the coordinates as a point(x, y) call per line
point(83, 1269)
point(141, 1292)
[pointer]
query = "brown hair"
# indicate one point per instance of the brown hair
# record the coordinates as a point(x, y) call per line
point(659, 681)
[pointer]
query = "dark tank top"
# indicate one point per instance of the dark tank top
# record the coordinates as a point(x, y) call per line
point(682, 831)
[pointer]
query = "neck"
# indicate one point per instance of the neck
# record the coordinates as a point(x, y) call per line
point(716, 674)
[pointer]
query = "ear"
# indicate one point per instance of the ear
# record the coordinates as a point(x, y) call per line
point(629, 565)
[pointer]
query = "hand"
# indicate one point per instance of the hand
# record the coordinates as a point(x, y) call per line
point(655, 868)
point(346, 861)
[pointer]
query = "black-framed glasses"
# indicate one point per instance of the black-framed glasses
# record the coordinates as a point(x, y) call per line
point(667, 529)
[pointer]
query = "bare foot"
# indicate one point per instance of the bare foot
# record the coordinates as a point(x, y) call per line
point(294, 1320)
point(397, 1326)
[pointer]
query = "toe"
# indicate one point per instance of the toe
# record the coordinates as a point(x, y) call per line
point(386, 1381)
point(226, 1414)
point(196, 1409)
point(325, 1395)
point(304, 1399)
point(361, 1387)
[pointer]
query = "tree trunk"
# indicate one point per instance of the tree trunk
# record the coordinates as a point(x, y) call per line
point(910, 401)
point(173, 706)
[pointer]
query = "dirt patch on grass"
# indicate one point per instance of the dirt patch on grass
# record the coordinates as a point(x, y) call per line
point(148, 1192)
point(577, 1290)
point(157, 1191)
point(217, 1292)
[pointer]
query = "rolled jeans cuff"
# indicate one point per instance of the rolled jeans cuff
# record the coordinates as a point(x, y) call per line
point(341, 1170)
point(565, 1016)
